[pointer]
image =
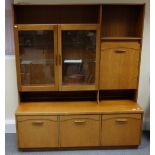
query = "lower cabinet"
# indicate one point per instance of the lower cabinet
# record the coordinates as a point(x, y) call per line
point(79, 130)
point(121, 130)
point(37, 131)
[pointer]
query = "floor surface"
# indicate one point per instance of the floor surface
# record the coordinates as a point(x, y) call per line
point(143, 149)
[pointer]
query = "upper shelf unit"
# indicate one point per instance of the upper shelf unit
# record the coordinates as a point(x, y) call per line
point(56, 14)
point(122, 21)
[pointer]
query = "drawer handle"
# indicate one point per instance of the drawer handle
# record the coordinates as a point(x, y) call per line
point(37, 122)
point(120, 51)
point(121, 120)
point(80, 122)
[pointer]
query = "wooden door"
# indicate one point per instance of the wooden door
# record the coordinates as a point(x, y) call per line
point(121, 130)
point(79, 130)
point(78, 56)
point(119, 66)
point(37, 131)
point(36, 57)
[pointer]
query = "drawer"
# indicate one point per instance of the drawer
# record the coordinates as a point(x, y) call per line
point(121, 130)
point(120, 44)
point(79, 130)
point(37, 131)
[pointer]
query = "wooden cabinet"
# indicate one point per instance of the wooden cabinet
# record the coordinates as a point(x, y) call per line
point(79, 131)
point(120, 63)
point(121, 130)
point(77, 74)
point(37, 131)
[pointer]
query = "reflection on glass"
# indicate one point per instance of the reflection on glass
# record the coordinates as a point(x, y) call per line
point(78, 56)
point(36, 57)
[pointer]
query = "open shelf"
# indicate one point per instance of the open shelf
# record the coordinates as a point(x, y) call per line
point(122, 21)
point(56, 14)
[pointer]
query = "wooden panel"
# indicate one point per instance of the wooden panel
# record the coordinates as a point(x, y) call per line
point(75, 130)
point(78, 107)
point(121, 130)
point(120, 65)
point(37, 131)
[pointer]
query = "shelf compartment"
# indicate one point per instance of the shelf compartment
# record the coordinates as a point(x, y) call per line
point(122, 20)
point(120, 38)
point(56, 14)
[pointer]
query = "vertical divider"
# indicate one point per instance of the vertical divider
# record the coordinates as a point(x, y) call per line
point(59, 142)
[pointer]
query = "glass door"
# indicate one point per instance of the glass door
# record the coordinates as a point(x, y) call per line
point(36, 47)
point(78, 56)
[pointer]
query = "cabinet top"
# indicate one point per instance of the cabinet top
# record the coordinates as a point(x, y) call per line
point(78, 107)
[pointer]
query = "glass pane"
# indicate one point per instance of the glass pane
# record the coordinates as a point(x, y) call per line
point(78, 57)
point(36, 57)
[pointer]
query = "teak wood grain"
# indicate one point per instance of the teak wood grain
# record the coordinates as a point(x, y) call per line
point(75, 130)
point(121, 130)
point(120, 65)
point(78, 107)
point(37, 131)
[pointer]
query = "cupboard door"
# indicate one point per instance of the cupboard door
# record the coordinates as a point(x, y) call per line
point(121, 130)
point(78, 54)
point(36, 53)
point(79, 130)
point(119, 67)
point(37, 131)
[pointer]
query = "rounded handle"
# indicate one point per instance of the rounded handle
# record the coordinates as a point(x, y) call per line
point(120, 51)
point(15, 26)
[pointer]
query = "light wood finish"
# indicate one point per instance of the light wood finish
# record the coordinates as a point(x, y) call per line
point(79, 130)
point(78, 107)
point(121, 130)
point(120, 65)
point(71, 27)
point(28, 27)
point(37, 131)
point(121, 38)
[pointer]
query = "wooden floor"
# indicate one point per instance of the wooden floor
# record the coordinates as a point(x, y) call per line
point(144, 149)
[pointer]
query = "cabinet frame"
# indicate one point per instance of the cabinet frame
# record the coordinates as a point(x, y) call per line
point(71, 27)
point(29, 27)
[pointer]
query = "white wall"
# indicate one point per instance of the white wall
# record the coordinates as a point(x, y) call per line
point(144, 87)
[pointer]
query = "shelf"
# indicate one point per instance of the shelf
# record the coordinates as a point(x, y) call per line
point(78, 107)
point(121, 38)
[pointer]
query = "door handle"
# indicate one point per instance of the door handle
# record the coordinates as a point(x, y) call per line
point(59, 59)
point(80, 122)
point(37, 122)
point(121, 120)
point(120, 51)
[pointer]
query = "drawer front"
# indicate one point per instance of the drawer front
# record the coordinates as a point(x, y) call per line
point(37, 131)
point(121, 130)
point(79, 131)
point(121, 65)
point(120, 44)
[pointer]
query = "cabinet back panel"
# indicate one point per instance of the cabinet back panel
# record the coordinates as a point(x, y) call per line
point(56, 14)
point(58, 96)
point(122, 20)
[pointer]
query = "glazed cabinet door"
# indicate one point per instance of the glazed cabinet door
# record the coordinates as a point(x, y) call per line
point(36, 50)
point(119, 65)
point(78, 56)
point(37, 131)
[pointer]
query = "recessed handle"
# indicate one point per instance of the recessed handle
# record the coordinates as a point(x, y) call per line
point(121, 120)
point(37, 122)
point(120, 51)
point(79, 122)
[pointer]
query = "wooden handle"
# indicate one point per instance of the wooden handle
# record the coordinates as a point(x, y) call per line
point(15, 26)
point(56, 60)
point(79, 122)
point(38, 122)
point(121, 120)
point(120, 51)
